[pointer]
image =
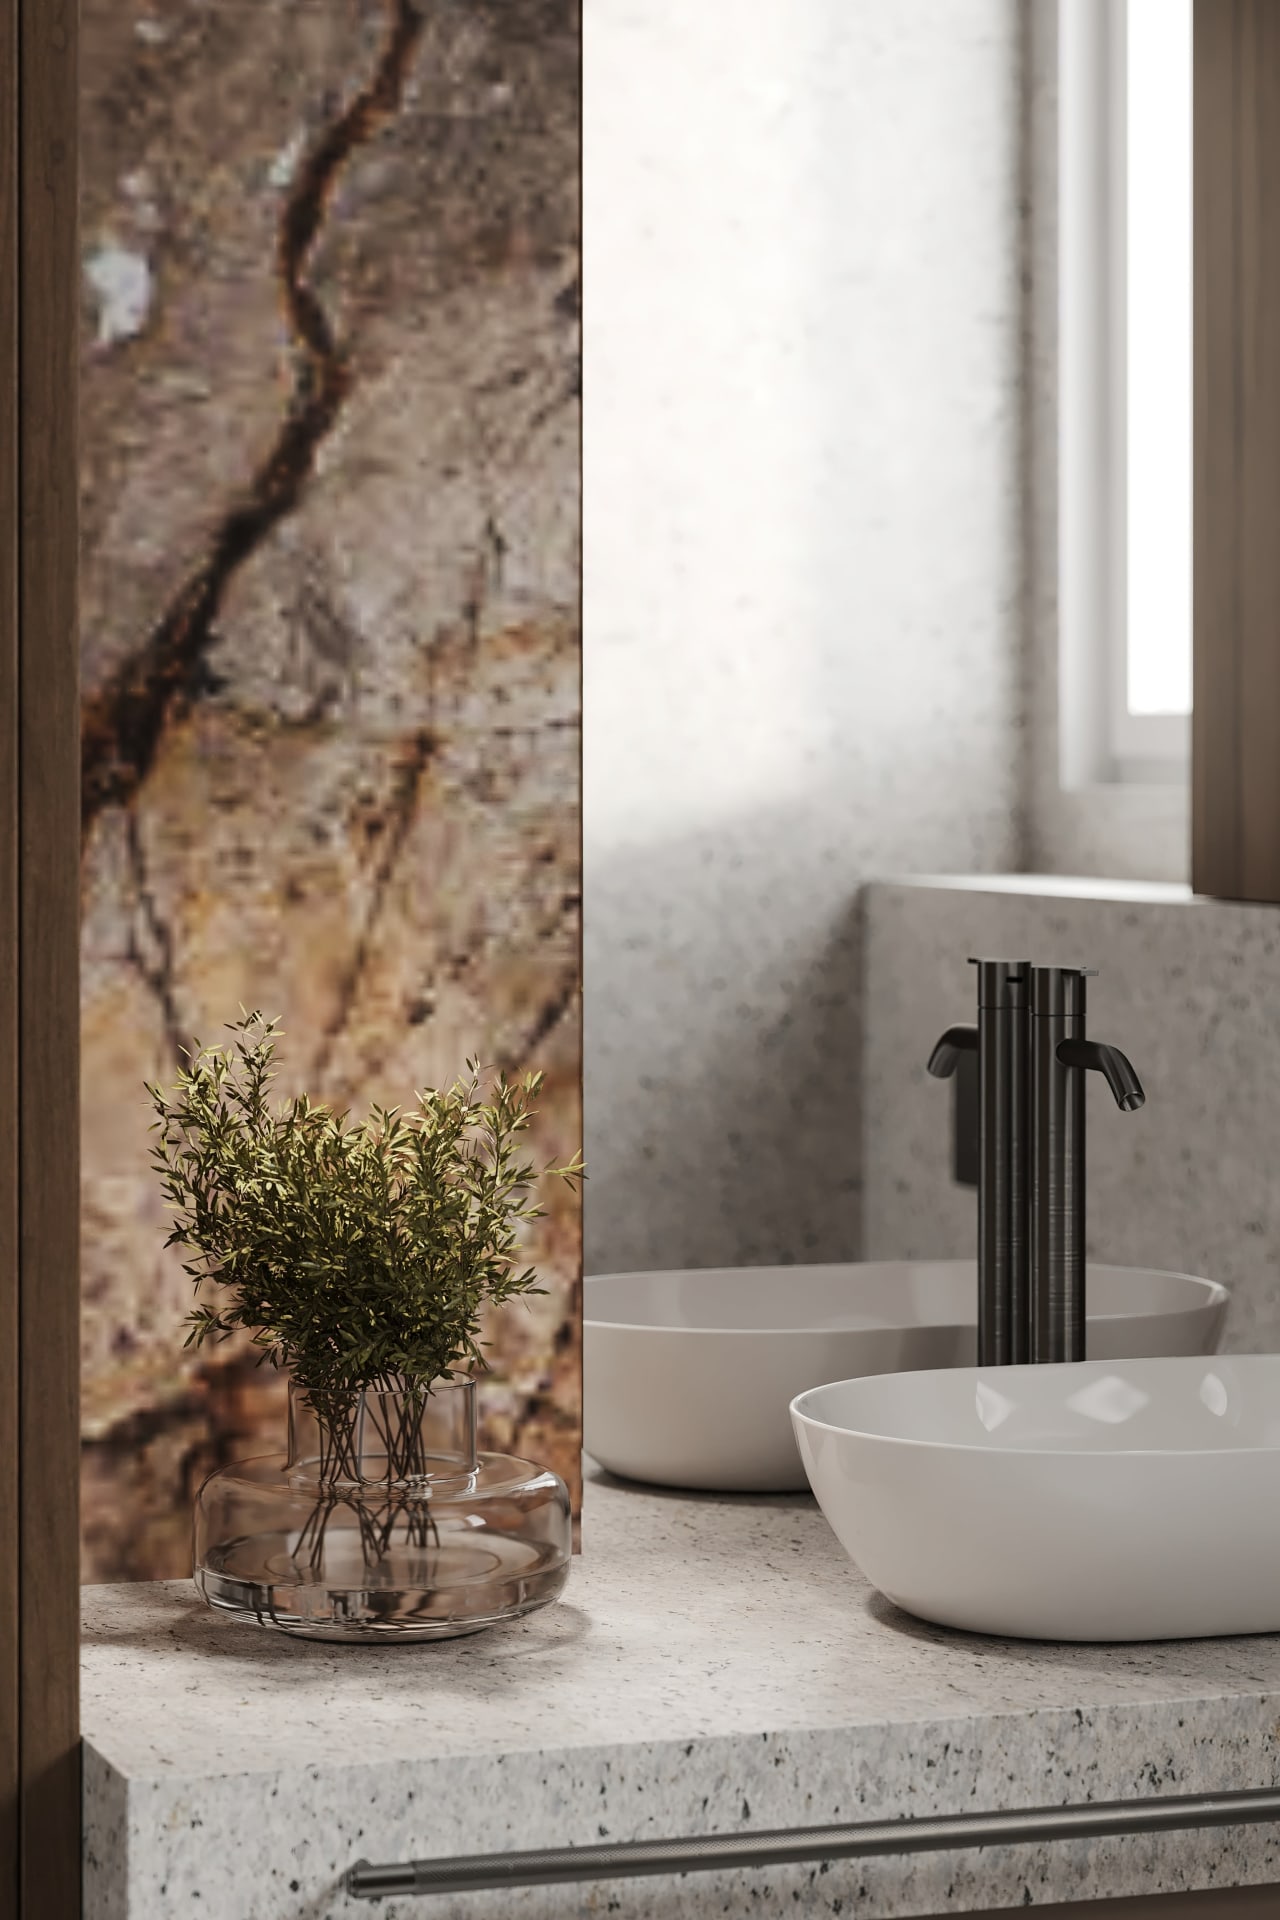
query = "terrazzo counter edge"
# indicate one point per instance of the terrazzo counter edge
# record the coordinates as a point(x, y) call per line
point(715, 1666)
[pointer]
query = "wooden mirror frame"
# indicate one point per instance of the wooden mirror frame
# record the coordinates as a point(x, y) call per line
point(39, 968)
point(1235, 735)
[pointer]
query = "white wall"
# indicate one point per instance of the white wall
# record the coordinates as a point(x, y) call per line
point(802, 578)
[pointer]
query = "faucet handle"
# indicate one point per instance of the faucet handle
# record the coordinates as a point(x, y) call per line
point(1059, 992)
point(945, 1057)
point(1097, 1057)
point(1003, 985)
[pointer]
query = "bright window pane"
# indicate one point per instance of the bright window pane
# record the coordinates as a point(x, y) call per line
point(1158, 351)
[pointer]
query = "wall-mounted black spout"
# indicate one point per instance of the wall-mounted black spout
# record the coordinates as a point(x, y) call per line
point(1002, 1042)
point(1032, 1058)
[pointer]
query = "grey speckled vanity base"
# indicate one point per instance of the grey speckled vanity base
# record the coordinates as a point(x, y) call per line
point(716, 1665)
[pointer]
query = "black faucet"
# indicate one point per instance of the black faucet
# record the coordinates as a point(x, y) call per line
point(1032, 1057)
point(1001, 1041)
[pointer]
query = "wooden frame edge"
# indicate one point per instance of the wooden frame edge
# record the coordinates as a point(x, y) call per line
point(41, 979)
point(1235, 770)
point(9, 401)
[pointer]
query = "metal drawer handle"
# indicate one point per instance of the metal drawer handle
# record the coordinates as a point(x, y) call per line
point(630, 1859)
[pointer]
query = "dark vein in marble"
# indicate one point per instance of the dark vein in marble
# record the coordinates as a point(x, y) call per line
point(394, 825)
point(520, 1057)
point(123, 723)
point(158, 974)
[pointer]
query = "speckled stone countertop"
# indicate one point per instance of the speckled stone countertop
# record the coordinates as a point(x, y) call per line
point(716, 1665)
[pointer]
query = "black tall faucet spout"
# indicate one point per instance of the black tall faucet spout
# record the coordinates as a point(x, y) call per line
point(1097, 1057)
point(1033, 1055)
point(1061, 1056)
point(1001, 1040)
point(945, 1057)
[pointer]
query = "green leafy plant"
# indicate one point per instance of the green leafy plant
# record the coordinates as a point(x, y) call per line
point(357, 1253)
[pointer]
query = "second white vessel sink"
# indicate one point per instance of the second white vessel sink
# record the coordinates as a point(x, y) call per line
point(688, 1376)
point(1105, 1500)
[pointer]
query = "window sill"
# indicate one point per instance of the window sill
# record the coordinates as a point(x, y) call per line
point(1072, 886)
point(1056, 886)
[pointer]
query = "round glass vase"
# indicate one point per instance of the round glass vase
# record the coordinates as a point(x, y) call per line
point(382, 1522)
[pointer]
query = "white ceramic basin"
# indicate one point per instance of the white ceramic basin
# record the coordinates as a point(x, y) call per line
point(1125, 1500)
point(688, 1376)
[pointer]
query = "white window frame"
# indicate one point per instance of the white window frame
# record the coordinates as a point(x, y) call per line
point(1101, 742)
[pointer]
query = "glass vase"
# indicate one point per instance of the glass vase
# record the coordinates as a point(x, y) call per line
point(382, 1522)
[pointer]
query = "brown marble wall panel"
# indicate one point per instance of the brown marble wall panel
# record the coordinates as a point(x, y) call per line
point(330, 601)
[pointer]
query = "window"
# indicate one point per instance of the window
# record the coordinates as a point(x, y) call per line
point(1125, 389)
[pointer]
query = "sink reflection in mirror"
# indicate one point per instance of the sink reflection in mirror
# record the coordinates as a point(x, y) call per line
point(688, 1376)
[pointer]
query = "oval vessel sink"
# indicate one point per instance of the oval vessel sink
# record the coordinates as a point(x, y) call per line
point(1130, 1500)
point(688, 1376)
